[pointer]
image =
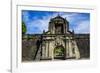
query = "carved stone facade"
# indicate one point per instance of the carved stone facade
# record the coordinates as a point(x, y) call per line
point(58, 42)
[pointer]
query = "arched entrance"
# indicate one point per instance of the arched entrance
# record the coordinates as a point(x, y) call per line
point(59, 52)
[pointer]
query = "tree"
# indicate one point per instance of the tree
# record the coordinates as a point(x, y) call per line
point(23, 28)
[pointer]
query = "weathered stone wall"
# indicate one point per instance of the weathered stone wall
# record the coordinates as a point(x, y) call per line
point(29, 47)
point(84, 47)
point(83, 42)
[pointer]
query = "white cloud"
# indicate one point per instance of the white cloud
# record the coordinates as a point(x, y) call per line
point(83, 27)
point(38, 25)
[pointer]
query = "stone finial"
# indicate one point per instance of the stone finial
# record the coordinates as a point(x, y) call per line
point(73, 31)
point(43, 31)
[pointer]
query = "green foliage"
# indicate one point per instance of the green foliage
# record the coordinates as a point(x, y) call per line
point(59, 51)
point(23, 28)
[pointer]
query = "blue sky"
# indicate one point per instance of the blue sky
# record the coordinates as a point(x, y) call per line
point(37, 21)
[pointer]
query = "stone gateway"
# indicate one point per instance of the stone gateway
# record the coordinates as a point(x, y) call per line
point(58, 42)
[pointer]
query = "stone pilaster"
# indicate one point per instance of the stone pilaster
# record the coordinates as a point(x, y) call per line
point(51, 50)
point(46, 55)
point(67, 50)
point(70, 48)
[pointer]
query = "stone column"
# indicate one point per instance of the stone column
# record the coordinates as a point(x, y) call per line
point(51, 50)
point(52, 28)
point(46, 52)
point(70, 48)
point(48, 49)
point(66, 47)
point(64, 28)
